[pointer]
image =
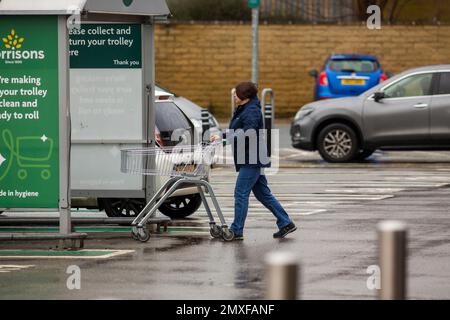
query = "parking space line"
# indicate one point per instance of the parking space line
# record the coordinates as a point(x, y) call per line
point(16, 254)
point(7, 268)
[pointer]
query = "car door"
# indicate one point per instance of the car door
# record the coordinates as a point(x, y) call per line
point(440, 111)
point(402, 117)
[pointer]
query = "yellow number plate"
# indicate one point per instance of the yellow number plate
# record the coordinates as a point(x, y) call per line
point(358, 82)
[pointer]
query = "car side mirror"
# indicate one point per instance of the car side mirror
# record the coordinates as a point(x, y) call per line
point(313, 73)
point(378, 96)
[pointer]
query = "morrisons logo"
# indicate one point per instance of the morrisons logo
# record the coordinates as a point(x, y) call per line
point(13, 43)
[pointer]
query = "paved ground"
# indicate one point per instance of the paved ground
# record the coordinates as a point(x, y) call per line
point(336, 207)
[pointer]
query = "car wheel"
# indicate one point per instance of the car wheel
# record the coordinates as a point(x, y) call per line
point(337, 143)
point(364, 154)
point(181, 207)
point(122, 207)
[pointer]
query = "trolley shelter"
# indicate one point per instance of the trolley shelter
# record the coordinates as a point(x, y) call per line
point(80, 70)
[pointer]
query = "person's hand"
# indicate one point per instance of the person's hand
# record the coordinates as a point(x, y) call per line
point(214, 138)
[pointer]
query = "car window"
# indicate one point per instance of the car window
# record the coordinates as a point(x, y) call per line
point(353, 65)
point(444, 85)
point(416, 85)
point(169, 117)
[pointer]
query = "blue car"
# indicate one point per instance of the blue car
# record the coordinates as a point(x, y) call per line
point(347, 75)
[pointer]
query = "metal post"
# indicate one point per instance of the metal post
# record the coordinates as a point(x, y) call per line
point(65, 223)
point(392, 239)
point(269, 115)
point(148, 39)
point(205, 125)
point(255, 40)
point(282, 276)
point(233, 103)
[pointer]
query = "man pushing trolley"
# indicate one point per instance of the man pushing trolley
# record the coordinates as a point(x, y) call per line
point(184, 165)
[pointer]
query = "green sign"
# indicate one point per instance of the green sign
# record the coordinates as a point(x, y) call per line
point(253, 3)
point(29, 115)
point(105, 46)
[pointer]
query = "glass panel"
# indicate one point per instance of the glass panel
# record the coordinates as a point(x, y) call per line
point(413, 86)
point(169, 117)
point(353, 65)
point(444, 86)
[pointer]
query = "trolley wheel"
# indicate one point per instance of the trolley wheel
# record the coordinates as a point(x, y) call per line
point(215, 231)
point(143, 234)
point(227, 234)
point(134, 233)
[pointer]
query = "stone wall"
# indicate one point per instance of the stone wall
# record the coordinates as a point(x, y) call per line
point(204, 61)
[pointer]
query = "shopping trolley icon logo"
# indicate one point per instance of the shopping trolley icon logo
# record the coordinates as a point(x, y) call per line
point(31, 152)
point(13, 41)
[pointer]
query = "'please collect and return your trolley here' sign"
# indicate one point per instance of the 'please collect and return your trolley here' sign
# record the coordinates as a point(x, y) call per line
point(29, 112)
point(106, 101)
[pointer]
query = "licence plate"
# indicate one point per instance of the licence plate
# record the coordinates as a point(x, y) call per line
point(357, 82)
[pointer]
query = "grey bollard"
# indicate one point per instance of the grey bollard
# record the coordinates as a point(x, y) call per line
point(268, 121)
point(268, 108)
point(282, 276)
point(392, 254)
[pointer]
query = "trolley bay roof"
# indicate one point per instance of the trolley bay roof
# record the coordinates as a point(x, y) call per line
point(154, 8)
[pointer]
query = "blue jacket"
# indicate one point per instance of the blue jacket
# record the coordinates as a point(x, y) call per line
point(249, 146)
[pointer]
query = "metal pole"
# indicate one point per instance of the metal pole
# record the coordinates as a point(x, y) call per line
point(282, 276)
point(65, 223)
point(148, 38)
point(233, 104)
point(255, 41)
point(392, 239)
point(205, 125)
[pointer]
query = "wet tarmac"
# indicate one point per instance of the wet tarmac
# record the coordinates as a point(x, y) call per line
point(336, 208)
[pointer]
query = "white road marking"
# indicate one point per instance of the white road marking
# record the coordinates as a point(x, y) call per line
point(367, 190)
point(268, 213)
point(107, 256)
point(6, 268)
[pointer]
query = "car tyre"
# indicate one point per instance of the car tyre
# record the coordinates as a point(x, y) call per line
point(122, 207)
point(337, 143)
point(181, 206)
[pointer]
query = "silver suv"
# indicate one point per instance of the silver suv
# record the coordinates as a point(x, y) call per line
point(410, 111)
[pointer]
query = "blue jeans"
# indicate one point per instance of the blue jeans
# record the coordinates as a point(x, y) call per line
point(251, 179)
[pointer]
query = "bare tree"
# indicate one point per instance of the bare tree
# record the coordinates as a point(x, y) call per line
point(390, 9)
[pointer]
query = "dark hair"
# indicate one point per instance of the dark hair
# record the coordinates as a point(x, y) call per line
point(246, 90)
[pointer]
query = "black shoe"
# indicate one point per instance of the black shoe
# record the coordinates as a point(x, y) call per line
point(285, 231)
point(238, 237)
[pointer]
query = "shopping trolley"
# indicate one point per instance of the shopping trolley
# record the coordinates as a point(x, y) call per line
point(184, 165)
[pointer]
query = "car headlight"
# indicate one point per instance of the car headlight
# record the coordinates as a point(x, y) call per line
point(303, 112)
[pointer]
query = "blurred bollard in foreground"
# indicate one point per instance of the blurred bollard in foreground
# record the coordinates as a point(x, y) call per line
point(282, 271)
point(392, 241)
